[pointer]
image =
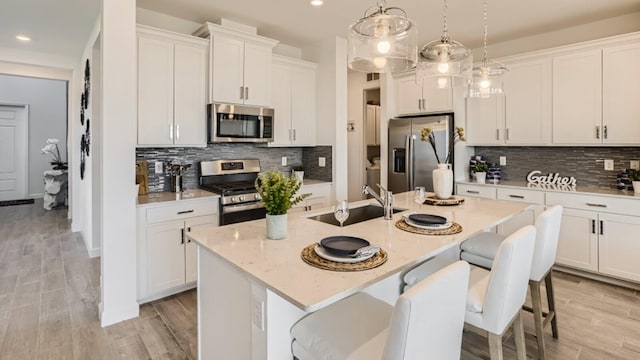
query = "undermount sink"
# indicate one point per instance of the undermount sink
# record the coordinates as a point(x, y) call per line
point(356, 215)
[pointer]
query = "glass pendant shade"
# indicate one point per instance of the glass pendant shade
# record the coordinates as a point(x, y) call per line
point(382, 42)
point(487, 80)
point(447, 61)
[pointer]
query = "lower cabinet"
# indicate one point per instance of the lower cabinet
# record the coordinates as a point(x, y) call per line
point(167, 259)
point(320, 197)
point(578, 242)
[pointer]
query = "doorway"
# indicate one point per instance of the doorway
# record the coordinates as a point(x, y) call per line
point(13, 152)
point(372, 141)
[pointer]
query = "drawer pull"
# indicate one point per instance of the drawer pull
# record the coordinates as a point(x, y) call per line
point(593, 226)
point(182, 236)
point(473, 192)
point(516, 196)
point(601, 227)
point(185, 212)
point(597, 205)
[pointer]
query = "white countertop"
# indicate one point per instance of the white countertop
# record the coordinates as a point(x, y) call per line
point(276, 264)
point(311, 182)
point(155, 198)
point(626, 194)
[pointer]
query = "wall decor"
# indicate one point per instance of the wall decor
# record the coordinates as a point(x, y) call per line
point(87, 83)
point(82, 114)
point(82, 156)
point(87, 138)
point(534, 177)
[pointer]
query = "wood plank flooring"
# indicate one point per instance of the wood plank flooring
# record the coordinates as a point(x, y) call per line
point(49, 294)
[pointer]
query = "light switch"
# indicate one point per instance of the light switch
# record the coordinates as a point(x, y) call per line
point(608, 164)
point(322, 161)
point(503, 160)
point(634, 164)
point(284, 161)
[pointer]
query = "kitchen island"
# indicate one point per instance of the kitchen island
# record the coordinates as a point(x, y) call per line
point(252, 290)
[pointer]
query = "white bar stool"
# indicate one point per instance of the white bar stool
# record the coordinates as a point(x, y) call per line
point(481, 250)
point(495, 297)
point(427, 321)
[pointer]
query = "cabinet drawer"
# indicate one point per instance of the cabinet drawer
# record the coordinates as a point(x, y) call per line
point(520, 195)
point(486, 192)
point(595, 203)
point(182, 210)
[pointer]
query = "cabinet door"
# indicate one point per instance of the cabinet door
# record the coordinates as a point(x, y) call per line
point(578, 242)
point(620, 89)
point(408, 95)
point(528, 102)
point(190, 249)
point(436, 99)
point(190, 93)
point(155, 91)
point(371, 125)
point(281, 102)
point(165, 256)
point(577, 98)
point(619, 246)
point(303, 106)
point(227, 75)
point(257, 74)
point(485, 119)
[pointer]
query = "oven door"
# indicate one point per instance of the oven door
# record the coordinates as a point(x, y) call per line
point(231, 214)
point(235, 123)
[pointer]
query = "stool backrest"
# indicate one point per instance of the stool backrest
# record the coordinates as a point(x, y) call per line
point(507, 288)
point(547, 233)
point(428, 318)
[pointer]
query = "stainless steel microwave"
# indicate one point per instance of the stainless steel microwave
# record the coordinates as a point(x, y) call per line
point(239, 123)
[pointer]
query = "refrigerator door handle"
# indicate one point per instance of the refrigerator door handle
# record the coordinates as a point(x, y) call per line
point(408, 161)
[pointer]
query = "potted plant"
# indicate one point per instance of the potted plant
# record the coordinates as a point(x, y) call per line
point(298, 171)
point(52, 148)
point(278, 195)
point(481, 172)
point(634, 176)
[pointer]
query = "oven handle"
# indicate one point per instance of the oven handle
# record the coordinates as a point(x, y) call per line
point(229, 209)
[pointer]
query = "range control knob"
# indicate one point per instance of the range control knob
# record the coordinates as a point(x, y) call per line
point(241, 197)
point(256, 196)
point(233, 199)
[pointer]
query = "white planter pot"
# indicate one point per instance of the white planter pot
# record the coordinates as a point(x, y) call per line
point(299, 175)
point(443, 181)
point(636, 187)
point(276, 226)
point(481, 177)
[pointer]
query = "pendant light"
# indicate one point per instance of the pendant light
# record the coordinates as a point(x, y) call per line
point(382, 41)
point(445, 59)
point(487, 78)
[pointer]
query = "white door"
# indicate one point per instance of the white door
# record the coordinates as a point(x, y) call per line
point(485, 120)
point(257, 74)
point(408, 96)
point(436, 99)
point(281, 101)
point(619, 246)
point(228, 70)
point(578, 242)
point(13, 149)
point(165, 254)
point(303, 106)
point(371, 125)
point(190, 94)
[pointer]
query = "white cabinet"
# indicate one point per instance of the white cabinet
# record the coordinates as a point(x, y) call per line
point(293, 98)
point(577, 98)
point(320, 197)
point(172, 88)
point(413, 98)
point(620, 89)
point(480, 191)
point(485, 120)
point(167, 260)
point(373, 125)
point(578, 241)
point(619, 246)
point(240, 65)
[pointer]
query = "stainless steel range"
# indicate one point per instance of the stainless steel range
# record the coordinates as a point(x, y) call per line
point(234, 181)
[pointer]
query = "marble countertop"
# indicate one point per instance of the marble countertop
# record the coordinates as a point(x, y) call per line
point(276, 264)
point(309, 182)
point(556, 188)
point(155, 198)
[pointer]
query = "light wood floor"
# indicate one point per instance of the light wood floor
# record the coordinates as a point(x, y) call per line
point(49, 291)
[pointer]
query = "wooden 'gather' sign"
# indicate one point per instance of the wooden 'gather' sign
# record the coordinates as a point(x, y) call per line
point(535, 177)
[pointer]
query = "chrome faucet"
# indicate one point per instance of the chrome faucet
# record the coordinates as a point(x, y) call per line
point(386, 201)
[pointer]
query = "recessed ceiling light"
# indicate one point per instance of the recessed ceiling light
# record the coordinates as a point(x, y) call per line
point(316, 2)
point(23, 38)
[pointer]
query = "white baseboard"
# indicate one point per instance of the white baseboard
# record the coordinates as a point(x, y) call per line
point(35, 196)
point(93, 252)
point(118, 315)
point(165, 293)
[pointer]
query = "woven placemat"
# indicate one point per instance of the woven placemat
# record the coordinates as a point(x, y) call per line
point(310, 257)
point(454, 229)
point(452, 201)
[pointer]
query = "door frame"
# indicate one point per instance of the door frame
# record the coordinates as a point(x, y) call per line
point(26, 143)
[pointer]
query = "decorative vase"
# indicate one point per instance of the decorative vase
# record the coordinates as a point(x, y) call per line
point(481, 177)
point(299, 175)
point(276, 226)
point(636, 187)
point(443, 181)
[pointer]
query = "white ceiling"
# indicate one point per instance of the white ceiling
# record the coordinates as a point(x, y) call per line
point(61, 27)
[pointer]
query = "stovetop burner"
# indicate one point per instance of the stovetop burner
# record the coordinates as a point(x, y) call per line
point(231, 188)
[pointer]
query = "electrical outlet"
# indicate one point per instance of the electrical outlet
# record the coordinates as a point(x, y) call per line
point(158, 167)
point(608, 164)
point(634, 164)
point(503, 160)
point(257, 313)
point(284, 161)
point(322, 161)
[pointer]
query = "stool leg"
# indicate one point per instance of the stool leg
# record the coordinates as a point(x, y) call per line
point(552, 304)
point(518, 331)
point(495, 346)
point(538, 319)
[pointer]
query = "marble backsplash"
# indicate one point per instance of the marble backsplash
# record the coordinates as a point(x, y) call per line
point(586, 164)
point(270, 159)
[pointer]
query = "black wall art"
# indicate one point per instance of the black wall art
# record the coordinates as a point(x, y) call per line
point(85, 139)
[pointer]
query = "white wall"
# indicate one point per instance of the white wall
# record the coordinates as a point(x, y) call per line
point(47, 100)
point(167, 22)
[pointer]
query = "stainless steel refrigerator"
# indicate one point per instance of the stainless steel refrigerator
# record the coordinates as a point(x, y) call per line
point(411, 161)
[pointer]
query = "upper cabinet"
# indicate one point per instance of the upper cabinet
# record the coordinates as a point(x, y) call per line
point(172, 90)
point(293, 98)
point(485, 120)
point(373, 125)
point(240, 66)
point(413, 98)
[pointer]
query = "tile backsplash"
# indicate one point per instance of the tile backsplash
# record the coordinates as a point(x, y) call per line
point(270, 159)
point(586, 164)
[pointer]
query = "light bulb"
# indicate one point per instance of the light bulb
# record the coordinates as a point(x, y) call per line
point(443, 82)
point(316, 2)
point(383, 47)
point(380, 62)
point(484, 83)
point(443, 67)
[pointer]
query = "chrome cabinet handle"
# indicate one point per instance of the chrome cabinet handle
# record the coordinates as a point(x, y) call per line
point(497, 134)
point(171, 132)
point(516, 196)
point(185, 212)
point(177, 132)
point(507, 134)
point(597, 132)
point(605, 132)
point(241, 92)
point(290, 137)
point(597, 205)
point(246, 93)
point(294, 134)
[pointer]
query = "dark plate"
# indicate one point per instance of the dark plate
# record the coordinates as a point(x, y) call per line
point(427, 219)
point(343, 245)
